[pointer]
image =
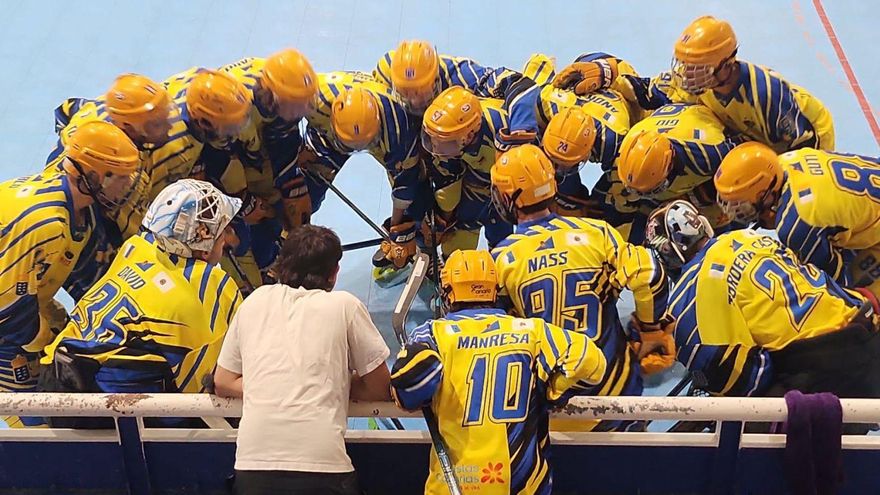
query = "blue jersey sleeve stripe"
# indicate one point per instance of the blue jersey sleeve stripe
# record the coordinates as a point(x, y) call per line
point(553, 348)
point(27, 253)
point(45, 204)
point(206, 277)
point(26, 232)
point(218, 299)
point(174, 155)
point(192, 370)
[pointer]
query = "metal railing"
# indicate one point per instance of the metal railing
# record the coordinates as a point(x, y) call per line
point(585, 408)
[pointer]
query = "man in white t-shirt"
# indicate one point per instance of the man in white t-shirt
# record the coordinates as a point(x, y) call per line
point(303, 352)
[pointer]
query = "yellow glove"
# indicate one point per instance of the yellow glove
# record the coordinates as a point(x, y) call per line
point(587, 77)
point(402, 247)
point(656, 349)
point(296, 204)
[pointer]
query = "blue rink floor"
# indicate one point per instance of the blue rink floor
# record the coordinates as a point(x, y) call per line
point(58, 49)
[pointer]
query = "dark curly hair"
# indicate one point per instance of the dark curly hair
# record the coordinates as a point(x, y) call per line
point(309, 258)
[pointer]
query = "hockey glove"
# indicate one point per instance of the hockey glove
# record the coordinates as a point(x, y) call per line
point(442, 226)
point(402, 247)
point(506, 139)
point(255, 209)
point(573, 206)
point(587, 77)
point(296, 204)
point(656, 345)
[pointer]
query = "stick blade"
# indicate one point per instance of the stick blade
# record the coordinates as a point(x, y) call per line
point(410, 290)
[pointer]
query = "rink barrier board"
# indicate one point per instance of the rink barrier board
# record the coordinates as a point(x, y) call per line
point(132, 459)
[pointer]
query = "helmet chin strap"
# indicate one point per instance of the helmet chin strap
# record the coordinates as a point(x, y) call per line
point(83, 184)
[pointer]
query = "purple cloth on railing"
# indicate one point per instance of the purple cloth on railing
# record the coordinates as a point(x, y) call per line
point(813, 462)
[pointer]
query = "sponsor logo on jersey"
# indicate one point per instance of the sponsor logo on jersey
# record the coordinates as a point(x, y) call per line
point(492, 473)
point(21, 288)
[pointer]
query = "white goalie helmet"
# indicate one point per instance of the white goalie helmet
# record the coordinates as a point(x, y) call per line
point(189, 215)
point(674, 232)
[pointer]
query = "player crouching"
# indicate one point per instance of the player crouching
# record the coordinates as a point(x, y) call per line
point(156, 320)
point(752, 320)
point(496, 426)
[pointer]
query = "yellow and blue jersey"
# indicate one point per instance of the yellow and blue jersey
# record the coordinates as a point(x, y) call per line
point(765, 107)
point(517, 91)
point(570, 272)
point(762, 107)
point(608, 109)
point(829, 207)
point(162, 165)
point(470, 174)
point(744, 296)
point(40, 243)
point(269, 137)
point(153, 317)
point(397, 147)
point(699, 143)
point(490, 379)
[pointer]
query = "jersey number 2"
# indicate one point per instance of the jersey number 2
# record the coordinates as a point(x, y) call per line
point(506, 379)
point(772, 275)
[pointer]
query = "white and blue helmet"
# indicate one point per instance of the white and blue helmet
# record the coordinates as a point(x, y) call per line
point(674, 232)
point(189, 215)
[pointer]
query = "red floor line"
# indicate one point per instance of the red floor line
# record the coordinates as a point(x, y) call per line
point(847, 69)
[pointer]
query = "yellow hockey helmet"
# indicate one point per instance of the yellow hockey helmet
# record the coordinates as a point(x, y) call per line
point(469, 276)
point(415, 73)
point(220, 99)
point(137, 100)
point(645, 161)
point(746, 178)
point(101, 147)
point(521, 177)
point(568, 139)
point(705, 45)
point(355, 118)
point(289, 75)
point(104, 161)
point(451, 122)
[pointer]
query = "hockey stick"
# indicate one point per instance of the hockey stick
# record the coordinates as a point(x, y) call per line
point(237, 267)
point(379, 230)
point(352, 246)
point(398, 323)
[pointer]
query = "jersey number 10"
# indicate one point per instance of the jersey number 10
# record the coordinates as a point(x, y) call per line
point(505, 382)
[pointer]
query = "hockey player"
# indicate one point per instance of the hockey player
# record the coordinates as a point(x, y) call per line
point(576, 130)
point(490, 379)
point(752, 320)
point(375, 122)
point(217, 111)
point(672, 154)
point(749, 99)
point(418, 75)
point(823, 205)
point(458, 130)
point(146, 113)
point(283, 87)
point(570, 271)
point(45, 222)
point(155, 322)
